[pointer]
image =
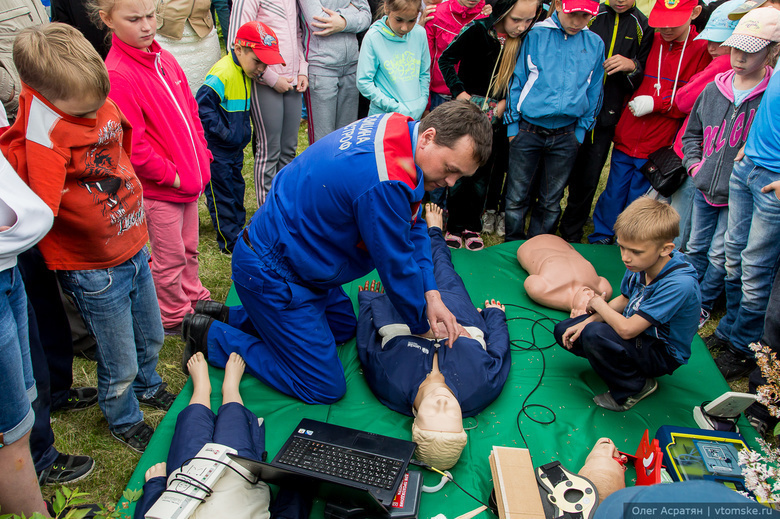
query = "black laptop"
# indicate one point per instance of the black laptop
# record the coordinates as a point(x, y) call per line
point(339, 464)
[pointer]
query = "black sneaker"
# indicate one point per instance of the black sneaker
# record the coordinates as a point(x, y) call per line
point(715, 343)
point(79, 398)
point(606, 401)
point(66, 469)
point(734, 364)
point(161, 399)
point(604, 241)
point(137, 437)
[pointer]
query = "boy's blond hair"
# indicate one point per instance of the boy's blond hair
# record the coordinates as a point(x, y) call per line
point(58, 62)
point(648, 220)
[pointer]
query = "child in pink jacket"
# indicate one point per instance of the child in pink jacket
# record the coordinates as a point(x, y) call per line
point(169, 151)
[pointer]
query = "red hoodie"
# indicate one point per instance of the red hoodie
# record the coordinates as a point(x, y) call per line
point(151, 90)
point(639, 136)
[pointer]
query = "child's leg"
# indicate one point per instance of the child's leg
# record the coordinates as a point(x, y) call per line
point(613, 200)
point(467, 199)
point(559, 155)
point(705, 219)
point(225, 197)
point(347, 103)
point(525, 155)
point(190, 280)
point(584, 181)
point(165, 221)
point(198, 369)
point(267, 113)
point(712, 280)
point(103, 298)
point(147, 327)
point(755, 265)
point(682, 202)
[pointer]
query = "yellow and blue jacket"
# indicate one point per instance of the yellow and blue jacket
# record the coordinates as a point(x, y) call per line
point(223, 106)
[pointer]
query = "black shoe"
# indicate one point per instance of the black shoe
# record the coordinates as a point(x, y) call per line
point(604, 241)
point(89, 353)
point(195, 330)
point(66, 469)
point(137, 437)
point(79, 398)
point(161, 399)
point(715, 343)
point(214, 309)
point(734, 364)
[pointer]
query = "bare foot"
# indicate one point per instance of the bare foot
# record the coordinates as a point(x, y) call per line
point(158, 469)
point(234, 369)
point(201, 385)
point(434, 216)
point(372, 286)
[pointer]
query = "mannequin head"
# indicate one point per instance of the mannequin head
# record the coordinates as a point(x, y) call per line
point(438, 428)
point(603, 470)
point(579, 302)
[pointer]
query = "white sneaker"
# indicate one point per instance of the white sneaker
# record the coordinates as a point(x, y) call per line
point(501, 224)
point(489, 221)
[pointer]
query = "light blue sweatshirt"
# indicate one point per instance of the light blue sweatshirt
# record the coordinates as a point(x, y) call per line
point(763, 142)
point(394, 71)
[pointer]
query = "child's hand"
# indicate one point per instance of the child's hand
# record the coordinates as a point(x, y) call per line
point(571, 334)
point(464, 96)
point(487, 10)
point(774, 186)
point(303, 83)
point(641, 105)
point(176, 182)
point(283, 84)
point(593, 304)
point(618, 63)
point(427, 15)
point(331, 24)
point(154, 471)
point(740, 154)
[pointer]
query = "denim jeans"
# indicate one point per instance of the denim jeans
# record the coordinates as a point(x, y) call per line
point(682, 202)
point(119, 307)
point(17, 385)
point(706, 247)
point(539, 168)
point(752, 251)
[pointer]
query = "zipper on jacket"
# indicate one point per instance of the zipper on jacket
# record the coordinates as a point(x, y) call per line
point(612, 43)
point(161, 72)
point(719, 164)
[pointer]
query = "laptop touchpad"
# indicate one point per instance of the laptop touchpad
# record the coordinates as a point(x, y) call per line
point(366, 442)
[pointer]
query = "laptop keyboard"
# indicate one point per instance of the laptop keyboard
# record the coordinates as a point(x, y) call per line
point(341, 462)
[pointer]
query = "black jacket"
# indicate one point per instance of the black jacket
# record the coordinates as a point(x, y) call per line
point(632, 38)
point(476, 48)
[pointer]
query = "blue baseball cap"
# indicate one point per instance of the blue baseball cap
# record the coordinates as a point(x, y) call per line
point(719, 27)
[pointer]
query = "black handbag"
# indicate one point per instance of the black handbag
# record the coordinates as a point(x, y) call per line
point(665, 171)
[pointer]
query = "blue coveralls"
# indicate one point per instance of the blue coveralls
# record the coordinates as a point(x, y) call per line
point(475, 375)
point(346, 205)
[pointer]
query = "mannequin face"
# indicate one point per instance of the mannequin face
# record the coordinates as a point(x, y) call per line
point(580, 301)
point(439, 410)
point(602, 468)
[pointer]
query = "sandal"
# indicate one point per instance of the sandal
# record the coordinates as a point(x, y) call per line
point(453, 241)
point(473, 240)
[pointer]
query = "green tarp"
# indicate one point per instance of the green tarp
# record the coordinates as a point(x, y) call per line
point(567, 388)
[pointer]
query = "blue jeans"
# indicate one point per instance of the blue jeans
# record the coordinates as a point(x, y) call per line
point(543, 160)
point(120, 309)
point(17, 385)
point(706, 247)
point(682, 202)
point(752, 251)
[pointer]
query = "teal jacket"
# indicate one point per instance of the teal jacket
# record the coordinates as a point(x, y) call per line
point(223, 106)
point(394, 71)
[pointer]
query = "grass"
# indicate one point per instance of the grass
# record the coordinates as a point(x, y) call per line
point(86, 432)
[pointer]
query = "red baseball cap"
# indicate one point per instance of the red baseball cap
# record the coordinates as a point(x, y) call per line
point(573, 6)
point(671, 13)
point(261, 39)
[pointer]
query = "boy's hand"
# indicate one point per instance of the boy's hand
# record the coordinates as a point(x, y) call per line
point(641, 105)
point(464, 96)
point(176, 182)
point(427, 15)
point(303, 83)
point(283, 84)
point(331, 24)
point(740, 154)
point(774, 186)
point(618, 63)
point(572, 333)
point(500, 108)
point(595, 302)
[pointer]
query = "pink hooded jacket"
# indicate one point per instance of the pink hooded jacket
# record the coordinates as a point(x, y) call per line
point(151, 90)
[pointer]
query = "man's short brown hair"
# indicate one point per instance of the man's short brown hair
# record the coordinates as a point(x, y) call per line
point(57, 61)
point(647, 219)
point(455, 119)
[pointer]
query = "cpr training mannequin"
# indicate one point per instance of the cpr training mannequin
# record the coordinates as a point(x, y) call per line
point(603, 469)
point(436, 383)
point(559, 277)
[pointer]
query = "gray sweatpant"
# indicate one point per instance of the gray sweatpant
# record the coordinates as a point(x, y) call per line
point(276, 118)
point(331, 100)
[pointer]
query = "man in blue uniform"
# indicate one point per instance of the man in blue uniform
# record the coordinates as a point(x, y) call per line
point(346, 205)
